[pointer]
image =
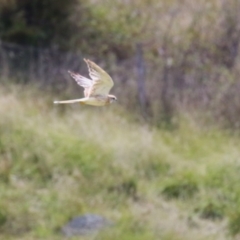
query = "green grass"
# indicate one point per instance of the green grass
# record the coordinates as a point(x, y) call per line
point(57, 162)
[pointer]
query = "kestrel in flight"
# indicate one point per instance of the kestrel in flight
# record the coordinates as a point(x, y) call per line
point(96, 89)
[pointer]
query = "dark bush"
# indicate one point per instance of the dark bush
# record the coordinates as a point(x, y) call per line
point(211, 210)
point(36, 22)
point(181, 190)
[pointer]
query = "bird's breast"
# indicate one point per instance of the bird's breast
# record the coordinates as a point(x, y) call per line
point(97, 101)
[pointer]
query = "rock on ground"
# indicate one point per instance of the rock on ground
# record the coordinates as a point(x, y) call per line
point(85, 224)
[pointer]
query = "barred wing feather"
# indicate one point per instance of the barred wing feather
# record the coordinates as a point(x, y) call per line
point(83, 82)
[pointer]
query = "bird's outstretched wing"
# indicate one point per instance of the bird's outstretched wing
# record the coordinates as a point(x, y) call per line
point(102, 82)
point(84, 82)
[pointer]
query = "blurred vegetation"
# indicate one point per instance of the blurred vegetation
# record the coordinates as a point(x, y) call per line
point(178, 181)
point(103, 26)
point(36, 23)
point(74, 24)
point(56, 163)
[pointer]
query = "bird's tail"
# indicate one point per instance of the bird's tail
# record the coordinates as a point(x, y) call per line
point(68, 101)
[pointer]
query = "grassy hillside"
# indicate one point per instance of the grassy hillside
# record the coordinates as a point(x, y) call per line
point(57, 162)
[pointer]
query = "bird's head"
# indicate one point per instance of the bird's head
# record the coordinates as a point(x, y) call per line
point(112, 98)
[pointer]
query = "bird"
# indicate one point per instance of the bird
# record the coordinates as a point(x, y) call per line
point(96, 89)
